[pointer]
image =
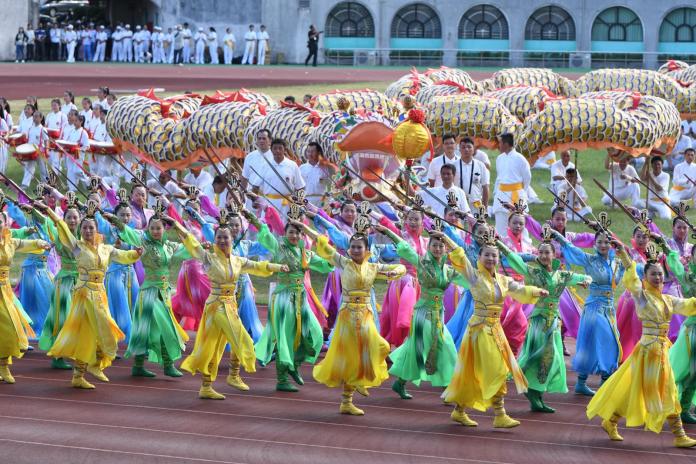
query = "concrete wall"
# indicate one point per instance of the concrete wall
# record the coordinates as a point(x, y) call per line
point(15, 13)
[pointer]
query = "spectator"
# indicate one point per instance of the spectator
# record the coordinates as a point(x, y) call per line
point(312, 45)
point(263, 45)
point(249, 41)
point(289, 99)
point(40, 43)
point(31, 41)
point(179, 45)
point(20, 43)
point(213, 46)
point(229, 42)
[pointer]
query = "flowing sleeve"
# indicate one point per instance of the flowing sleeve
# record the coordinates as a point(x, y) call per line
point(384, 221)
point(194, 248)
point(337, 237)
point(522, 293)
point(583, 240)
point(258, 268)
point(130, 236)
point(66, 238)
point(675, 265)
point(517, 263)
point(21, 233)
point(16, 214)
point(451, 232)
point(533, 227)
point(267, 240)
point(326, 251)
point(631, 280)
point(462, 264)
point(384, 269)
point(684, 306)
point(34, 247)
point(575, 279)
point(124, 256)
point(319, 264)
point(574, 255)
point(404, 250)
point(385, 252)
point(103, 226)
point(274, 221)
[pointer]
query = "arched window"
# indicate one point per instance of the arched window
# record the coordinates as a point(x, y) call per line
point(617, 24)
point(483, 22)
point(550, 23)
point(416, 21)
point(679, 26)
point(350, 19)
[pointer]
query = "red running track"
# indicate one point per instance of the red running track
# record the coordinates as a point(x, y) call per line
point(161, 420)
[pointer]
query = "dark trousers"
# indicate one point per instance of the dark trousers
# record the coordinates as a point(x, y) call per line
point(55, 51)
point(312, 53)
point(178, 55)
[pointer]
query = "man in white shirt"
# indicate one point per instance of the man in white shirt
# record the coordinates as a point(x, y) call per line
point(228, 46)
point(262, 38)
point(317, 178)
point(576, 196)
point(677, 155)
point(187, 36)
point(138, 44)
point(101, 38)
point(213, 46)
point(127, 46)
point(201, 179)
point(621, 180)
point(474, 178)
point(117, 45)
point(558, 171)
point(683, 189)
point(103, 165)
point(156, 38)
point(200, 40)
point(219, 198)
point(449, 156)
point(55, 37)
point(249, 43)
point(513, 178)
point(164, 184)
point(70, 39)
point(482, 156)
point(447, 175)
point(280, 179)
point(167, 50)
point(255, 158)
point(658, 180)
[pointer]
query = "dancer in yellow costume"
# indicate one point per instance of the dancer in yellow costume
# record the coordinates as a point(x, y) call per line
point(14, 325)
point(643, 389)
point(89, 335)
point(220, 323)
point(357, 354)
point(485, 359)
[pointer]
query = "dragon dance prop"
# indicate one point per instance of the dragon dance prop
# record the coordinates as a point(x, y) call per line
point(532, 77)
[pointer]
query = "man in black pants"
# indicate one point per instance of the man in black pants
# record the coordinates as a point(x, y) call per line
point(312, 44)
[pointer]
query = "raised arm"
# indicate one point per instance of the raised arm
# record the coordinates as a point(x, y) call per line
point(403, 249)
point(515, 261)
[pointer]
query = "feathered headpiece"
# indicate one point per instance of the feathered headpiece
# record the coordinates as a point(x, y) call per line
point(682, 208)
point(295, 212)
point(652, 253)
point(452, 200)
point(299, 198)
point(232, 210)
point(481, 215)
point(94, 184)
point(604, 221)
point(418, 201)
point(122, 197)
point(546, 233)
point(42, 189)
point(438, 225)
point(488, 238)
point(159, 209)
point(561, 200)
point(92, 208)
point(364, 208)
point(519, 207)
point(52, 179)
point(362, 225)
point(71, 200)
point(223, 220)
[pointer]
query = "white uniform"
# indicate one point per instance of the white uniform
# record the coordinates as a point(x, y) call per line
point(213, 47)
point(87, 114)
point(56, 121)
point(437, 163)
point(38, 136)
point(158, 55)
point(473, 176)
point(102, 37)
point(200, 48)
point(228, 47)
point(26, 123)
point(204, 182)
point(70, 38)
point(272, 187)
point(577, 199)
point(147, 38)
point(105, 104)
point(167, 47)
point(482, 156)
point(138, 39)
point(73, 171)
point(623, 190)
point(127, 47)
point(262, 37)
point(513, 178)
point(249, 42)
point(441, 193)
point(104, 163)
point(186, 33)
point(117, 45)
point(545, 161)
point(558, 169)
point(683, 189)
point(66, 108)
point(316, 180)
point(169, 188)
point(654, 204)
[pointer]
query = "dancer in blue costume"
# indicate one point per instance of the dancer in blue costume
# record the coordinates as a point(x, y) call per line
point(35, 287)
point(598, 349)
point(120, 280)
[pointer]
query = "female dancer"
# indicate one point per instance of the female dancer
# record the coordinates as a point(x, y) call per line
point(401, 295)
point(155, 332)
point(428, 354)
point(485, 360)
point(453, 293)
point(121, 282)
point(64, 282)
point(357, 354)
point(192, 285)
point(292, 332)
point(643, 390)
point(14, 326)
point(220, 323)
point(541, 359)
point(682, 356)
point(598, 350)
point(679, 243)
point(89, 335)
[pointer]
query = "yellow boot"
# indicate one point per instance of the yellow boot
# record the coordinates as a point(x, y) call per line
point(363, 391)
point(206, 392)
point(233, 378)
point(97, 373)
point(5, 373)
point(78, 378)
point(611, 427)
point(681, 439)
point(459, 415)
point(347, 406)
point(501, 419)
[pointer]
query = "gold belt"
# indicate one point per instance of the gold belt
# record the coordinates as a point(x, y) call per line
point(4, 274)
point(656, 331)
point(224, 290)
point(92, 276)
point(487, 313)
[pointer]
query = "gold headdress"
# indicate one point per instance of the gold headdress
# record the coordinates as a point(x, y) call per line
point(192, 192)
point(52, 179)
point(452, 200)
point(604, 221)
point(295, 212)
point(682, 208)
point(159, 209)
point(561, 200)
point(299, 198)
point(488, 238)
point(232, 210)
point(92, 208)
point(364, 208)
point(41, 189)
point(438, 225)
point(223, 220)
point(652, 253)
point(71, 200)
point(481, 214)
point(2, 199)
point(546, 233)
point(520, 207)
point(418, 201)
point(362, 225)
point(122, 197)
point(94, 184)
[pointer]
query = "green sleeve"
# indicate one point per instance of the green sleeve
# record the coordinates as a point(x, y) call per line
point(576, 279)
point(181, 253)
point(404, 250)
point(21, 233)
point(674, 264)
point(130, 236)
point(267, 239)
point(319, 264)
point(517, 264)
point(458, 279)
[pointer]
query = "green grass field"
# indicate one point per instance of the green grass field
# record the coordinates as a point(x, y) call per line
point(589, 162)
